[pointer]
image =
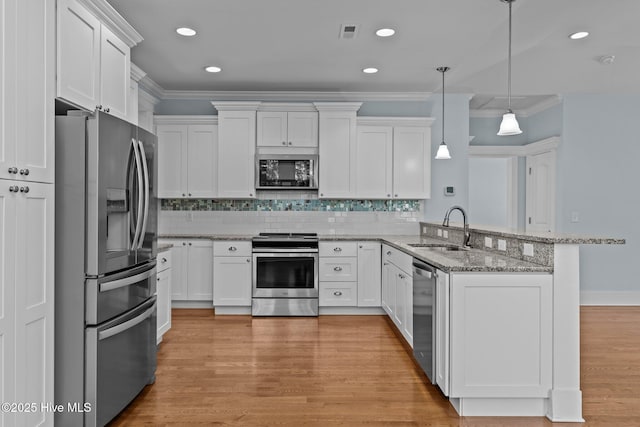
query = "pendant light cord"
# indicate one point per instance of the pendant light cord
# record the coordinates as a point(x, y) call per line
point(444, 69)
point(509, 62)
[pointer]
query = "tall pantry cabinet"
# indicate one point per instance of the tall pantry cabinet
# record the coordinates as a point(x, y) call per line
point(27, 92)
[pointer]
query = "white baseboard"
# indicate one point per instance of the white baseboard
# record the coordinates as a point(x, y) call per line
point(610, 298)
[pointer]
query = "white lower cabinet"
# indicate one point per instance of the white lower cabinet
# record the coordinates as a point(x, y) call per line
point(397, 290)
point(26, 300)
point(191, 269)
point(231, 274)
point(500, 335)
point(163, 292)
point(442, 331)
point(369, 274)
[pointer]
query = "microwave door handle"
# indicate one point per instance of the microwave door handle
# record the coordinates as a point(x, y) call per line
point(145, 174)
point(136, 235)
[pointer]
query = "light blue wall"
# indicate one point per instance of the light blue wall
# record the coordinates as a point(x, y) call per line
point(599, 177)
point(545, 124)
point(488, 197)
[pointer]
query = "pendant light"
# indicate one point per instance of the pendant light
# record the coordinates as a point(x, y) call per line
point(443, 151)
point(509, 125)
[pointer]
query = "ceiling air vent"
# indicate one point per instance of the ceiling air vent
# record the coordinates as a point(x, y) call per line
point(348, 31)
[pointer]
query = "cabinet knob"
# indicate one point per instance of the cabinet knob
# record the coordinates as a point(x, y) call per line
point(183, 194)
point(189, 194)
point(388, 252)
point(337, 268)
point(184, 244)
point(157, 279)
point(337, 249)
point(360, 246)
point(250, 194)
point(248, 260)
point(13, 170)
point(321, 194)
point(13, 189)
point(290, 143)
point(402, 276)
point(98, 107)
point(395, 195)
point(24, 172)
point(24, 189)
point(232, 249)
point(164, 260)
point(337, 293)
point(388, 195)
point(189, 243)
point(107, 109)
point(284, 142)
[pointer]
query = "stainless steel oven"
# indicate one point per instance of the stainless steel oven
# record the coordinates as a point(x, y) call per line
point(285, 274)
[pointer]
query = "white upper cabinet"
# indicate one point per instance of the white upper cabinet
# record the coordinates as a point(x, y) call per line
point(187, 156)
point(337, 148)
point(93, 69)
point(411, 162)
point(236, 149)
point(287, 128)
point(393, 158)
point(27, 88)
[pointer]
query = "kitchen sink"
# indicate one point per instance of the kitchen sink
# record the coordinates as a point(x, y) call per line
point(438, 247)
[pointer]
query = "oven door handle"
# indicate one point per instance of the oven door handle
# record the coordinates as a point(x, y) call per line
point(283, 250)
point(115, 330)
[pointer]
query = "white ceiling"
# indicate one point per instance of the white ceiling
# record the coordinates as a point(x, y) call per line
point(294, 45)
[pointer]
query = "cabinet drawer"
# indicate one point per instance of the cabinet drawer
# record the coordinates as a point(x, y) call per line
point(337, 269)
point(397, 257)
point(231, 248)
point(338, 294)
point(163, 260)
point(338, 249)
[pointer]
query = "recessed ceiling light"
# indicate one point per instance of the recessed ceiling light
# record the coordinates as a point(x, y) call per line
point(213, 69)
point(370, 70)
point(385, 32)
point(185, 31)
point(578, 35)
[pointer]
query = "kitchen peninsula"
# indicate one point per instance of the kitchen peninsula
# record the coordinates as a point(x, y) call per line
point(508, 321)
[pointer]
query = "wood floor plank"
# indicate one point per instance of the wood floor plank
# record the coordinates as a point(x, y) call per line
point(350, 371)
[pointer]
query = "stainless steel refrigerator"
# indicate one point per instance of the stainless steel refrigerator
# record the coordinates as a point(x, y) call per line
point(105, 280)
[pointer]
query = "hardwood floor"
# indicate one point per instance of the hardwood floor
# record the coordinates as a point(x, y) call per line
point(350, 371)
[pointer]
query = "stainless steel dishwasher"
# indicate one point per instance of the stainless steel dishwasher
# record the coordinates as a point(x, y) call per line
point(424, 311)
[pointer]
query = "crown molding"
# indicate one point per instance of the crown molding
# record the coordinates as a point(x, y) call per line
point(146, 101)
point(151, 87)
point(136, 72)
point(235, 105)
point(184, 120)
point(338, 106)
point(287, 106)
point(293, 96)
point(527, 112)
point(394, 121)
point(112, 19)
point(537, 147)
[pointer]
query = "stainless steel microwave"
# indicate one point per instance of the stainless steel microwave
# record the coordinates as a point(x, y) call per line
point(286, 172)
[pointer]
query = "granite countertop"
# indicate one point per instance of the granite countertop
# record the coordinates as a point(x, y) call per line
point(207, 236)
point(162, 247)
point(543, 237)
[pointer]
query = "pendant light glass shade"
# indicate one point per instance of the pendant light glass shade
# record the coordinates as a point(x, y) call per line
point(509, 125)
point(443, 150)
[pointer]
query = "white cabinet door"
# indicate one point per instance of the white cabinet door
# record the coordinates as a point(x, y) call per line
point(369, 274)
point(231, 281)
point(236, 154)
point(272, 129)
point(202, 147)
point(411, 162)
point(163, 287)
point(501, 335)
point(200, 270)
point(373, 162)
point(78, 70)
point(115, 74)
point(34, 303)
point(27, 90)
point(302, 129)
point(172, 161)
point(442, 331)
point(337, 150)
point(7, 296)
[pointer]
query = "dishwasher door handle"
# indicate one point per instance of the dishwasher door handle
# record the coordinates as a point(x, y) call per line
point(423, 273)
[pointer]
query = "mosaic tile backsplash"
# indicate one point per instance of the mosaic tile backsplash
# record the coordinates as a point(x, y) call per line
point(299, 205)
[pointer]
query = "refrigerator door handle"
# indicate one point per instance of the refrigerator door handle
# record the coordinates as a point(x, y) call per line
point(145, 174)
point(120, 283)
point(115, 330)
point(134, 243)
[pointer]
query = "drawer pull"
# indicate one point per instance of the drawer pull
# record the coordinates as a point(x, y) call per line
point(337, 249)
point(232, 249)
point(337, 268)
point(337, 293)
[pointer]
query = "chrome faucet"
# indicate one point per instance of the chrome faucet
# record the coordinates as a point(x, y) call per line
point(445, 223)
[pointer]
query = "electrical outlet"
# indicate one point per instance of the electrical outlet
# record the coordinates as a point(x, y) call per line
point(439, 232)
point(488, 242)
point(445, 234)
point(424, 229)
point(502, 245)
point(527, 249)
